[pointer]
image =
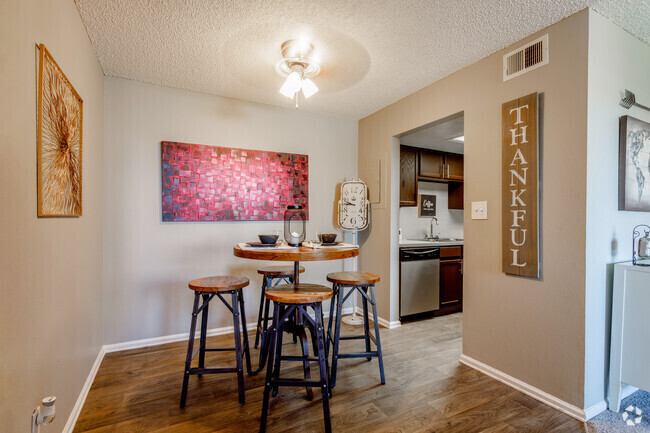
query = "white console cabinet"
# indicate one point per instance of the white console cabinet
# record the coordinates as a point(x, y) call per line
point(630, 342)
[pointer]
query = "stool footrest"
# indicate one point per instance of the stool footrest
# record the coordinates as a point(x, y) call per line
point(360, 337)
point(298, 358)
point(296, 382)
point(357, 355)
point(210, 370)
point(221, 349)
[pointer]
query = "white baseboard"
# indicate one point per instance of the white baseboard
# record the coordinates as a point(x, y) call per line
point(594, 410)
point(537, 394)
point(76, 410)
point(382, 322)
point(628, 391)
point(155, 341)
point(602, 405)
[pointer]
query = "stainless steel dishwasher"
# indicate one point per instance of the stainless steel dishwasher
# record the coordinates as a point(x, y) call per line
point(419, 294)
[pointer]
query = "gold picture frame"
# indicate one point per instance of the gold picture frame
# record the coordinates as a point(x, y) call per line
point(59, 141)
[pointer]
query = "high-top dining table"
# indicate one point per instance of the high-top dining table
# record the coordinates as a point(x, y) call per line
point(295, 255)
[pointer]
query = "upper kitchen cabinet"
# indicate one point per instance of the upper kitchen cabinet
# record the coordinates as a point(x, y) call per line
point(432, 164)
point(408, 184)
point(454, 166)
point(440, 166)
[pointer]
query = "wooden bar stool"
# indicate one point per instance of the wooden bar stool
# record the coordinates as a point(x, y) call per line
point(207, 288)
point(271, 276)
point(361, 282)
point(288, 299)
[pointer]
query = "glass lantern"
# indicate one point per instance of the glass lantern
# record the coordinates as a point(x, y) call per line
point(294, 225)
point(641, 251)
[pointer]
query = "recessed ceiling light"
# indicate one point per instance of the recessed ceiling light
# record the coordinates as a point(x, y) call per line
point(460, 139)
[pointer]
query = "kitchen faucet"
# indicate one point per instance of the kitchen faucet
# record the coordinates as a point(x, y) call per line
point(430, 236)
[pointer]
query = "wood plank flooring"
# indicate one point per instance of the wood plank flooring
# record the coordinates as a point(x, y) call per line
point(426, 390)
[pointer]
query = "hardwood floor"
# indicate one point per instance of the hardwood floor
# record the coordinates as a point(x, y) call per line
point(426, 390)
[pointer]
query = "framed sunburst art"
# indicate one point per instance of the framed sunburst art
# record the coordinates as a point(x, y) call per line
point(60, 121)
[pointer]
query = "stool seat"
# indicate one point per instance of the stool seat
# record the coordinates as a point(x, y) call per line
point(352, 278)
point(223, 283)
point(278, 270)
point(302, 293)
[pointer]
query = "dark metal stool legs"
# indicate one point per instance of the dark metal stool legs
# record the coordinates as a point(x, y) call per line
point(380, 357)
point(190, 349)
point(263, 315)
point(240, 367)
point(273, 379)
point(241, 350)
point(341, 297)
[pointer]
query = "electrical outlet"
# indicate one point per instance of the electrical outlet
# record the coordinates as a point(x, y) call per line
point(479, 210)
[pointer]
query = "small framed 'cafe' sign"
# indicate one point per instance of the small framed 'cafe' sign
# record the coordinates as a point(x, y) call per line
point(520, 179)
point(426, 205)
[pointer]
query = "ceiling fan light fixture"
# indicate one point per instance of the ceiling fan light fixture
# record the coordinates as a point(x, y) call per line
point(292, 84)
point(298, 66)
point(308, 88)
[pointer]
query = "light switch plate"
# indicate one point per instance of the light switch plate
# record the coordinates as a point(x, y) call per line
point(479, 210)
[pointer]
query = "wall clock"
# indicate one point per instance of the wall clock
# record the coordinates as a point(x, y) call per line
point(354, 215)
point(354, 205)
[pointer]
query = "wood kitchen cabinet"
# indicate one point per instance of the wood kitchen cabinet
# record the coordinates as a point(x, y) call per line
point(454, 165)
point(434, 165)
point(430, 166)
point(456, 195)
point(408, 179)
point(451, 280)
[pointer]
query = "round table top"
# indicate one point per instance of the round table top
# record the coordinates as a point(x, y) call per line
point(300, 254)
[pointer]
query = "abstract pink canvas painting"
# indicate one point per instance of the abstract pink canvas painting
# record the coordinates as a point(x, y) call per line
point(211, 183)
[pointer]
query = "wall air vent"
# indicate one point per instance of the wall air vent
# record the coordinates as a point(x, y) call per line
point(530, 56)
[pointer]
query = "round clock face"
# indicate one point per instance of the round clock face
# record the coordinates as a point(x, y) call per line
point(353, 208)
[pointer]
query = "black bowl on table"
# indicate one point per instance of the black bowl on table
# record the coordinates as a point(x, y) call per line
point(268, 239)
point(327, 238)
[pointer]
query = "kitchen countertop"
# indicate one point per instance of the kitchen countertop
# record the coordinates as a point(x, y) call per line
point(422, 243)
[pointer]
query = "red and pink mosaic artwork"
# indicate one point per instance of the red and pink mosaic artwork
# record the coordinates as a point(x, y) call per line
point(211, 183)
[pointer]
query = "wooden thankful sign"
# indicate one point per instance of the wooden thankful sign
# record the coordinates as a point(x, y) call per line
point(520, 187)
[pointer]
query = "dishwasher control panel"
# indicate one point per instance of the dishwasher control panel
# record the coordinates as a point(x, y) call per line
point(410, 254)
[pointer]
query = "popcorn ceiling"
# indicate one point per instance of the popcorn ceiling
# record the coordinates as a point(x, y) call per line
point(372, 53)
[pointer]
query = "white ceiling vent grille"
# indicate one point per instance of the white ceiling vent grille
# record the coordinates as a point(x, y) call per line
point(530, 56)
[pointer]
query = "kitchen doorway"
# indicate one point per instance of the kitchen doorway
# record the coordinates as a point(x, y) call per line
point(431, 212)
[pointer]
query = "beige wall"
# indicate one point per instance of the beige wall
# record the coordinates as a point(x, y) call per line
point(147, 263)
point(51, 277)
point(617, 61)
point(530, 329)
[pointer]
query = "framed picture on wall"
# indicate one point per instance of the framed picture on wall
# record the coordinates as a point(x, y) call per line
point(426, 205)
point(59, 137)
point(634, 165)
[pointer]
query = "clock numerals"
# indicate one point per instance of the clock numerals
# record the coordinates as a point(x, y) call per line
point(353, 210)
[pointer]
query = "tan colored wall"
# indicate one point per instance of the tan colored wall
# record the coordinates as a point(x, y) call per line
point(51, 276)
point(530, 329)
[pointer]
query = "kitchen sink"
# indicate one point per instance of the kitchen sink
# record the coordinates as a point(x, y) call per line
point(438, 240)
